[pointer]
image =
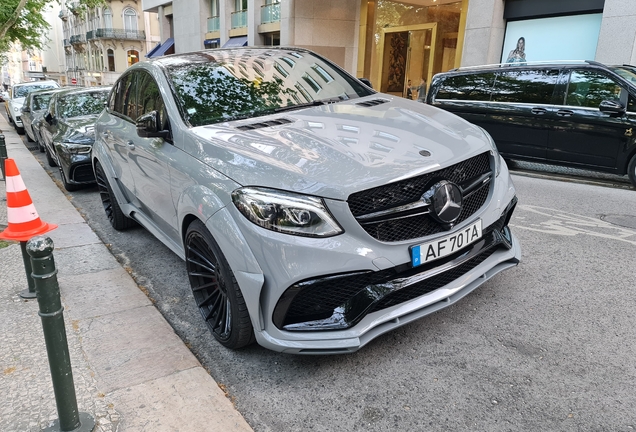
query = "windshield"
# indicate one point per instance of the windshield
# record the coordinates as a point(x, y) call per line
point(40, 102)
point(79, 104)
point(219, 86)
point(24, 90)
point(626, 72)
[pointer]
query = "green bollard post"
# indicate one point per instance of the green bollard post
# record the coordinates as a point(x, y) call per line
point(30, 292)
point(40, 250)
point(3, 154)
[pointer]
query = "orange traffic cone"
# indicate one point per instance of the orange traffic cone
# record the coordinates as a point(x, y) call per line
point(22, 218)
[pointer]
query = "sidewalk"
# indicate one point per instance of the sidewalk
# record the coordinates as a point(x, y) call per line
point(131, 371)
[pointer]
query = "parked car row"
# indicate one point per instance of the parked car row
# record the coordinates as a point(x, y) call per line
point(17, 96)
point(62, 122)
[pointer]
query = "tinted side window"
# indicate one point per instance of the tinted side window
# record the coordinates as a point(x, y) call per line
point(631, 104)
point(150, 99)
point(125, 97)
point(467, 87)
point(525, 86)
point(589, 88)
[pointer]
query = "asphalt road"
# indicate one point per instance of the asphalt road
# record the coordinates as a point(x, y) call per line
point(548, 345)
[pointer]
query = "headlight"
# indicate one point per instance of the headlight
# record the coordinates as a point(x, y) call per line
point(15, 108)
point(286, 212)
point(74, 148)
point(494, 152)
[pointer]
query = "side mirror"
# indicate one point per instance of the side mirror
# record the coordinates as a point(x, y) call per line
point(148, 126)
point(366, 82)
point(50, 119)
point(611, 107)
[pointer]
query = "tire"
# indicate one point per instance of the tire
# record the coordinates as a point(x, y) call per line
point(215, 289)
point(116, 217)
point(49, 158)
point(631, 170)
point(68, 186)
point(28, 137)
point(39, 141)
point(19, 130)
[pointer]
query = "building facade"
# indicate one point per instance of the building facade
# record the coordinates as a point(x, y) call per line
point(100, 43)
point(394, 42)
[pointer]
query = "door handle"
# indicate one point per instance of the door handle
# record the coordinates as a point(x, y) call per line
point(564, 113)
point(131, 145)
point(539, 111)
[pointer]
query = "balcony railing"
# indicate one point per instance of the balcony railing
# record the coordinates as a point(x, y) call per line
point(213, 24)
point(77, 39)
point(270, 13)
point(239, 19)
point(106, 33)
point(67, 43)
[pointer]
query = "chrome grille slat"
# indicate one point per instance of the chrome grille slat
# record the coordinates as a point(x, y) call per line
point(383, 212)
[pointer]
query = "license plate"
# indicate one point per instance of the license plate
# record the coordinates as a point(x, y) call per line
point(427, 252)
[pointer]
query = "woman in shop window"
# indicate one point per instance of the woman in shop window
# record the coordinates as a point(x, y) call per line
point(518, 55)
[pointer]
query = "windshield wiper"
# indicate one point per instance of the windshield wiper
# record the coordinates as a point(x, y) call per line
point(298, 106)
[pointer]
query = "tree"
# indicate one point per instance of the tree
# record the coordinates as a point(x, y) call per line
point(21, 21)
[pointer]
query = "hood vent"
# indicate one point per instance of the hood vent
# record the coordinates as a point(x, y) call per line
point(372, 102)
point(265, 124)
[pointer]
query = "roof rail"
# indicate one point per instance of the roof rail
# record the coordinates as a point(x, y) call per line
point(530, 63)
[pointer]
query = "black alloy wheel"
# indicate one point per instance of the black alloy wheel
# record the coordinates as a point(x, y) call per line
point(215, 289)
point(116, 217)
point(631, 170)
point(49, 158)
point(38, 141)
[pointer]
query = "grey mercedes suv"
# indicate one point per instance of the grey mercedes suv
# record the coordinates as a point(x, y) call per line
point(313, 213)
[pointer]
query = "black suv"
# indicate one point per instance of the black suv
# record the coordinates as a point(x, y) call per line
point(578, 114)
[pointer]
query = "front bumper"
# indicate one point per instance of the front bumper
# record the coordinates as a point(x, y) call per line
point(78, 168)
point(374, 287)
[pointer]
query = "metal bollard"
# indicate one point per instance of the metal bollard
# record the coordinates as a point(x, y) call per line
point(3, 154)
point(30, 292)
point(40, 250)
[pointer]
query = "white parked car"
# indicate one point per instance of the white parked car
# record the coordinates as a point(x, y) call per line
point(19, 92)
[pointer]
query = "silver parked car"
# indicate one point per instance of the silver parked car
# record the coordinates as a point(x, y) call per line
point(313, 213)
point(33, 111)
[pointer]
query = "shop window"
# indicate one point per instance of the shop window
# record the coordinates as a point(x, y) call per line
point(133, 57)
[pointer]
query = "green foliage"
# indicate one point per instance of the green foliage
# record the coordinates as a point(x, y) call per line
point(21, 22)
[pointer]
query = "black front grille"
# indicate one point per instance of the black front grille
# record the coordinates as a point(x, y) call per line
point(83, 173)
point(392, 229)
point(431, 284)
point(349, 297)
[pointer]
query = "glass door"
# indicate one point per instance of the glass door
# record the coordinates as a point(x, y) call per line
point(407, 55)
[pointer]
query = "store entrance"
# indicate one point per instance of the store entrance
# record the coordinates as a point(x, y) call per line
point(408, 54)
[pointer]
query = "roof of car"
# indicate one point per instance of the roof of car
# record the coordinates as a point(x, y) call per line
point(34, 83)
point(170, 59)
point(552, 63)
point(75, 90)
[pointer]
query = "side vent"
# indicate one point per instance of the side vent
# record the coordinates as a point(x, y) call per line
point(372, 102)
point(260, 125)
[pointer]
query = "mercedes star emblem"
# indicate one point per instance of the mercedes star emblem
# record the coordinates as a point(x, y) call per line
point(446, 201)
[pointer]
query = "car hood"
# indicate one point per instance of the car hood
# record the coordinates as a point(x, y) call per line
point(80, 129)
point(18, 102)
point(337, 149)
